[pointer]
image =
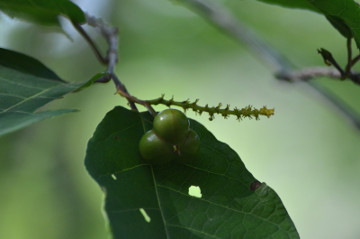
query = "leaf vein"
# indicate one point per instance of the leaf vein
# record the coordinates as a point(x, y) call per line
point(26, 99)
point(19, 84)
point(194, 230)
point(219, 174)
point(225, 207)
point(159, 202)
point(12, 95)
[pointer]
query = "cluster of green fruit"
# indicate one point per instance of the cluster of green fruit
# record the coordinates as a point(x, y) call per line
point(170, 139)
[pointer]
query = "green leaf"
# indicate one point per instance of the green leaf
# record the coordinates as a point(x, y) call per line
point(145, 201)
point(340, 26)
point(13, 121)
point(26, 85)
point(45, 12)
point(302, 4)
point(343, 15)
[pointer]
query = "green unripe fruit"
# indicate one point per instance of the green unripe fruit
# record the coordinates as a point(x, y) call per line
point(188, 149)
point(154, 150)
point(171, 125)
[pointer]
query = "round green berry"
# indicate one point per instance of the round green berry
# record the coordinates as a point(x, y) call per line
point(188, 149)
point(154, 150)
point(171, 125)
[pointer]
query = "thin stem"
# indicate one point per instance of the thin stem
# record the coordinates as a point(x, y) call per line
point(91, 42)
point(349, 53)
point(134, 100)
point(122, 88)
point(330, 60)
point(111, 58)
point(356, 59)
point(309, 73)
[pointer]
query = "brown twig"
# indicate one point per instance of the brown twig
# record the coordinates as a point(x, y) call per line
point(92, 44)
point(111, 58)
point(337, 73)
point(133, 99)
point(309, 73)
point(111, 36)
point(306, 74)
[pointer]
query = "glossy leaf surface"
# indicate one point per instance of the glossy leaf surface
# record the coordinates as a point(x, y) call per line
point(232, 205)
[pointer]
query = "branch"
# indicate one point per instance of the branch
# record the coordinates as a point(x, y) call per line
point(133, 99)
point(111, 36)
point(92, 44)
point(226, 22)
point(111, 58)
point(308, 73)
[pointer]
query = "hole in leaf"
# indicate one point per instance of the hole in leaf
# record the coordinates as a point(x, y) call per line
point(113, 176)
point(195, 191)
point(145, 215)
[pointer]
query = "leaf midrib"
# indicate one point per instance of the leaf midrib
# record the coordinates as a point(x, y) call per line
point(27, 99)
point(159, 202)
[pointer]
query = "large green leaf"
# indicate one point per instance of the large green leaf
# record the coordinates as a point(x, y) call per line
point(26, 85)
point(42, 11)
point(230, 206)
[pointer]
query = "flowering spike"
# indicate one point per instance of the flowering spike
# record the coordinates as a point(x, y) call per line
point(245, 112)
point(227, 107)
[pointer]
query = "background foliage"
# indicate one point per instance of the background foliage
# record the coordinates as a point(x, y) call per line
point(307, 152)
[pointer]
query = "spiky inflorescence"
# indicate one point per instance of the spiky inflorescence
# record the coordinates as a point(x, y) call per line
point(246, 112)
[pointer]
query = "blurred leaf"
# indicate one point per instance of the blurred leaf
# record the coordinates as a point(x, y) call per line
point(303, 4)
point(42, 11)
point(340, 26)
point(26, 85)
point(343, 15)
point(230, 207)
point(13, 121)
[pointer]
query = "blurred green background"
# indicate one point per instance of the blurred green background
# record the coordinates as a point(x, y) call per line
point(307, 152)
